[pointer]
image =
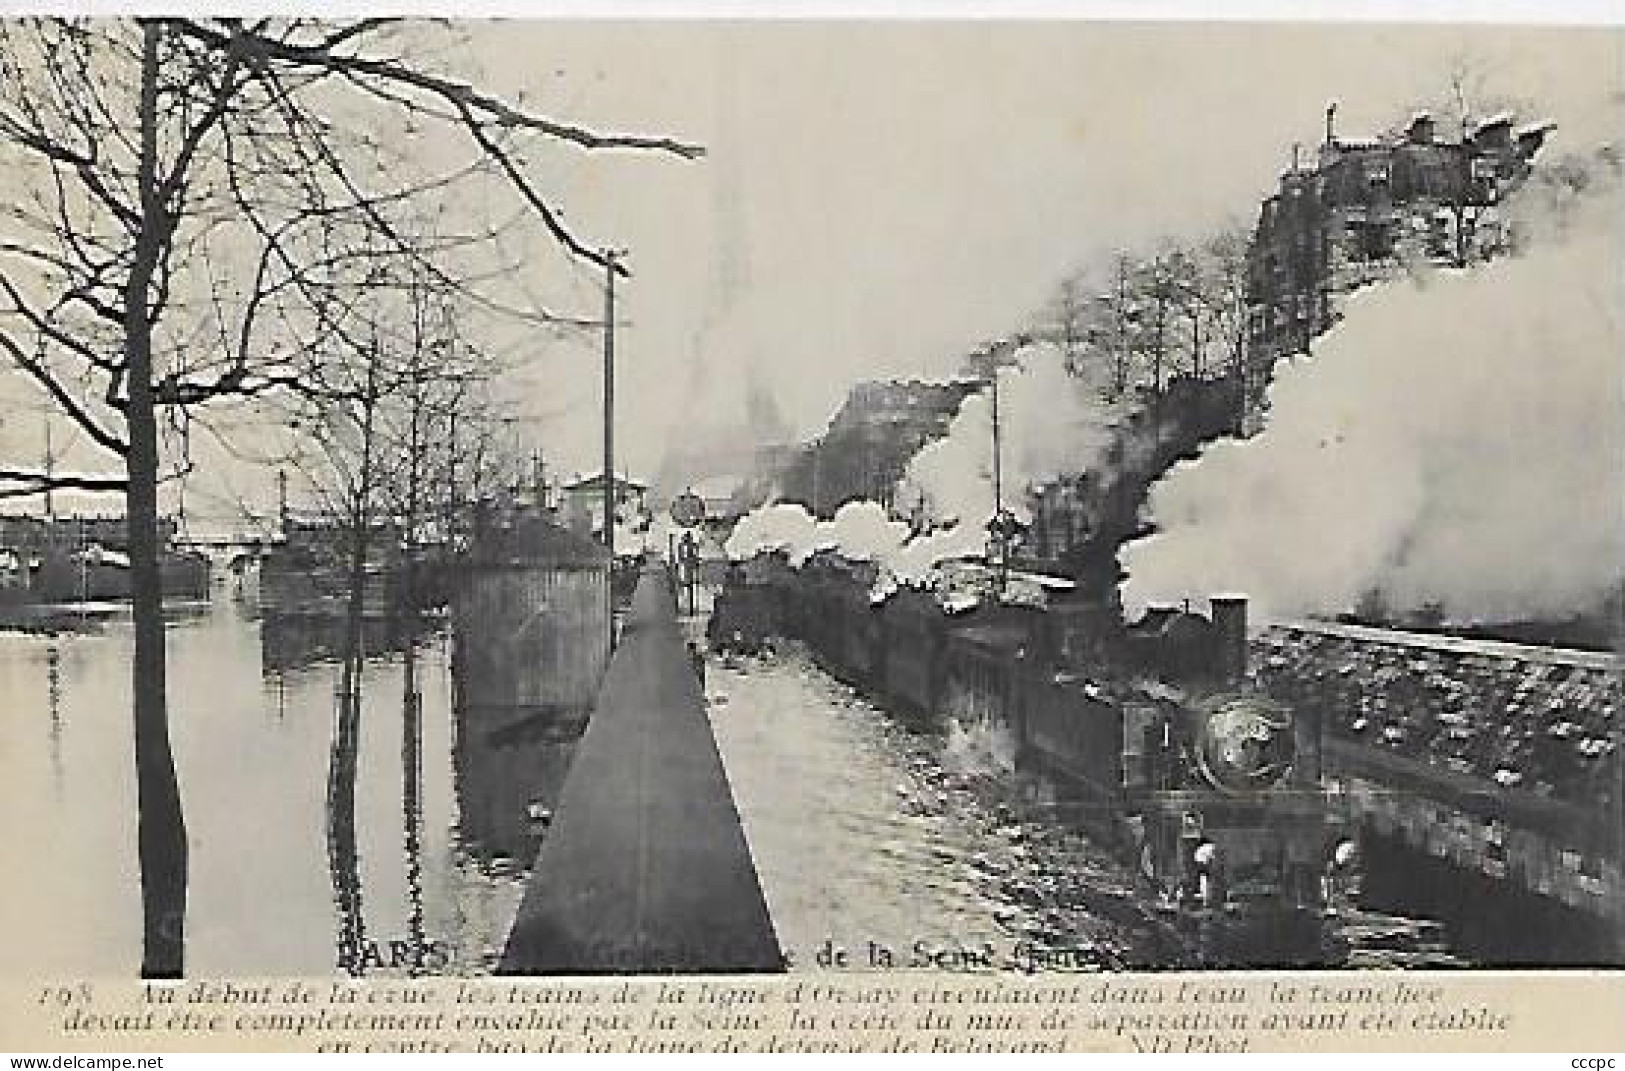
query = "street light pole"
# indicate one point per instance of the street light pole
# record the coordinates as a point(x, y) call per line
point(998, 450)
point(997, 527)
point(611, 267)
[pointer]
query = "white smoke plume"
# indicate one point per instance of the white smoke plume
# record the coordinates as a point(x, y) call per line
point(861, 531)
point(780, 526)
point(1456, 441)
point(1053, 422)
point(915, 561)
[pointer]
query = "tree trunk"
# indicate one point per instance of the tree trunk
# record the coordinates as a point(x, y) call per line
point(412, 802)
point(161, 826)
point(411, 696)
point(361, 518)
point(161, 832)
point(344, 758)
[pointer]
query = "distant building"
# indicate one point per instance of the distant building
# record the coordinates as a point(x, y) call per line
point(24, 532)
point(582, 502)
point(870, 441)
point(307, 569)
point(1364, 210)
point(1368, 207)
point(13, 570)
point(721, 495)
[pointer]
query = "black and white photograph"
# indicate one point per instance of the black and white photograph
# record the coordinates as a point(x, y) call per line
point(701, 498)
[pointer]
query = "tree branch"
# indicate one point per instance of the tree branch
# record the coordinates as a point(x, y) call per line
point(33, 483)
point(492, 109)
point(70, 405)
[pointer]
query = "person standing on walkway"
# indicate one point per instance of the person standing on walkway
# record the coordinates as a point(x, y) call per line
point(697, 658)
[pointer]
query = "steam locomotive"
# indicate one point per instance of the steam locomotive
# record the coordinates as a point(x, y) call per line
point(1148, 734)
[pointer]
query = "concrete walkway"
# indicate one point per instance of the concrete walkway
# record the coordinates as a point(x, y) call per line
point(645, 869)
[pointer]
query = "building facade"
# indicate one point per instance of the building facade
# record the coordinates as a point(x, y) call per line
point(26, 532)
point(870, 441)
point(581, 503)
point(1368, 208)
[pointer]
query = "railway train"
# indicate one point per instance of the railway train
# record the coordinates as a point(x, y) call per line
point(1148, 734)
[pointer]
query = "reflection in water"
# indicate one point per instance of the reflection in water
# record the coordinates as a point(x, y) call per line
point(53, 700)
point(343, 859)
point(254, 765)
point(511, 763)
point(860, 830)
point(412, 810)
point(865, 834)
point(289, 641)
point(410, 947)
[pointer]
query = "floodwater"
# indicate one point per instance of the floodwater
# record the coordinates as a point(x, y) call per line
point(867, 836)
point(872, 843)
point(866, 833)
point(252, 751)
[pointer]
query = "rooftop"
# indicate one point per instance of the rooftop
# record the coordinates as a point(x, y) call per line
point(591, 480)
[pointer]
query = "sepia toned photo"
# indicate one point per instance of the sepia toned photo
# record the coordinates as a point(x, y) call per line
point(1025, 501)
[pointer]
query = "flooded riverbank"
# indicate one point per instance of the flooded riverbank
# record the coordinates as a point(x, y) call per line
point(866, 834)
point(252, 751)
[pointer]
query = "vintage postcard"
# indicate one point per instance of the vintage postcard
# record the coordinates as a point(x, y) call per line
point(811, 536)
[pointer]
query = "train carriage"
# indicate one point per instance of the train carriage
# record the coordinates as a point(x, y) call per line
point(913, 637)
point(744, 618)
point(982, 669)
point(1213, 792)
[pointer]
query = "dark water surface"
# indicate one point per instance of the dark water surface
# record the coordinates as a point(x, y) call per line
point(252, 751)
point(861, 831)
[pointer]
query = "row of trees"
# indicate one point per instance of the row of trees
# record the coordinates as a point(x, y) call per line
point(1180, 309)
point(1142, 320)
point(394, 435)
point(204, 213)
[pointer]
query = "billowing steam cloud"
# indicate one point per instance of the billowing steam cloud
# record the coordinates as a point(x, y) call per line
point(859, 530)
point(1052, 422)
point(781, 526)
point(1457, 442)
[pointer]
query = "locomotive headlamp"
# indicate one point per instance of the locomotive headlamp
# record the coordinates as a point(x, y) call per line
point(1344, 855)
point(1205, 860)
point(1245, 743)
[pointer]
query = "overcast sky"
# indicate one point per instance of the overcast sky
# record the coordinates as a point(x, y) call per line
point(880, 198)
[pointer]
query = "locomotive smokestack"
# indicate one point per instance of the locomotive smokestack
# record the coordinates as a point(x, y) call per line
point(1230, 636)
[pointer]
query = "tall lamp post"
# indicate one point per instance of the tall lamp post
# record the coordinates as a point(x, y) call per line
point(612, 267)
point(1002, 527)
point(997, 525)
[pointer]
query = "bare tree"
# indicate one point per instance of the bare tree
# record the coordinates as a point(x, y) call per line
point(1180, 311)
point(1224, 290)
point(1185, 311)
point(376, 419)
point(1104, 326)
point(1470, 98)
point(1068, 320)
point(172, 184)
point(342, 423)
point(1152, 309)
